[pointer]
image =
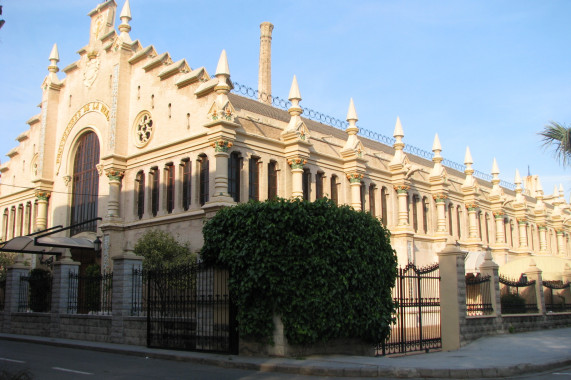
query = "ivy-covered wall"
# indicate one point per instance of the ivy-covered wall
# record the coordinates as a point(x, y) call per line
point(326, 270)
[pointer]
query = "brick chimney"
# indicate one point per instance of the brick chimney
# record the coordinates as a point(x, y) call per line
point(265, 70)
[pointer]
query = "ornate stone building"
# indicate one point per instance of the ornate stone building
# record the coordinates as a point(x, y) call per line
point(143, 142)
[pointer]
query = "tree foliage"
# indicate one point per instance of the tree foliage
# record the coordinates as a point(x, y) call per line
point(161, 250)
point(6, 259)
point(327, 270)
point(558, 137)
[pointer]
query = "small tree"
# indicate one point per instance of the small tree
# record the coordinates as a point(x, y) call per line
point(6, 259)
point(161, 250)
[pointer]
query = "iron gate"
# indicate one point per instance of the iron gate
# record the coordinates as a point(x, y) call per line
point(417, 296)
point(189, 308)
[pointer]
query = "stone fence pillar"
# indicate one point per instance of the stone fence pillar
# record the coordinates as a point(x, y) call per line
point(490, 268)
point(534, 273)
point(123, 284)
point(61, 285)
point(452, 295)
point(12, 293)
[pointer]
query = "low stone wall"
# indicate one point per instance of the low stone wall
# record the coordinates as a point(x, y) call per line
point(94, 328)
point(38, 324)
point(476, 327)
point(135, 331)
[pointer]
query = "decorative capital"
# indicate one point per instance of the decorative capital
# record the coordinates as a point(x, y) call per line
point(440, 197)
point(114, 174)
point(402, 189)
point(559, 232)
point(521, 221)
point(99, 168)
point(222, 145)
point(43, 195)
point(296, 163)
point(542, 227)
point(499, 214)
point(471, 206)
point(355, 177)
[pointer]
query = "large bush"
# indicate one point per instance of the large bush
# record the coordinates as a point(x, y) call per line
point(327, 270)
point(160, 249)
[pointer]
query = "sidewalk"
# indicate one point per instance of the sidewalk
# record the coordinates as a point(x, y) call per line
point(492, 357)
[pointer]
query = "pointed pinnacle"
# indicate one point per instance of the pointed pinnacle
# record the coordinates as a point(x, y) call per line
point(468, 157)
point(538, 186)
point(352, 113)
point(54, 55)
point(495, 169)
point(436, 144)
point(517, 179)
point(126, 11)
point(294, 90)
point(222, 68)
point(398, 129)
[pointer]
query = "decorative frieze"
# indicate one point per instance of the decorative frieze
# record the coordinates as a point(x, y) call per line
point(222, 145)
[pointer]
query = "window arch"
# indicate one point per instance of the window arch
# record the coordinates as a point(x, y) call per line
point(85, 191)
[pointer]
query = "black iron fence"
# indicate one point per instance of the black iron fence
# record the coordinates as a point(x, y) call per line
point(35, 292)
point(518, 296)
point(139, 292)
point(90, 294)
point(478, 296)
point(2, 293)
point(556, 302)
point(417, 296)
point(189, 308)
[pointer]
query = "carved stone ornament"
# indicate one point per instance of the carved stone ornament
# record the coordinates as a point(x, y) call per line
point(296, 163)
point(222, 145)
point(99, 168)
point(114, 174)
point(91, 69)
point(402, 189)
point(66, 180)
point(355, 177)
point(42, 195)
point(144, 129)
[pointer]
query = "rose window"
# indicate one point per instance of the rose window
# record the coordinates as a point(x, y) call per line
point(143, 130)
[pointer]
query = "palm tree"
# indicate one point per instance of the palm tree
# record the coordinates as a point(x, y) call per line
point(559, 136)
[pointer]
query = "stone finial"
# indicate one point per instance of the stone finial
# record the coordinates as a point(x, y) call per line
point(496, 189)
point(561, 191)
point(437, 169)
point(296, 124)
point(54, 59)
point(222, 73)
point(399, 157)
point(468, 161)
point(124, 27)
point(436, 147)
point(469, 171)
point(294, 93)
point(517, 178)
point(222, 67)
point(353, 144)
point(398, 133)
point(495, 168)
point(518, 188)
point(352, 118)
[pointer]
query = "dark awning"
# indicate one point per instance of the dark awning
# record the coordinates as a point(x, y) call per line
point(25, 244)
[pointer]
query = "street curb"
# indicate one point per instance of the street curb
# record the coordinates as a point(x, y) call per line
point(247, 363)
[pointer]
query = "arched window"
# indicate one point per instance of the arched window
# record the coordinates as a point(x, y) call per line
point(425, 206)
point(450, 224)
point(459, 221)
point(334, 193)
point(5, 225)
point(234, 176)
point(272, 180)
point(479, 219)
point(186, 183)
point(204, 179)
point(169, 177)
point(384, 201)
point(28, 218)
point(487, 221)
point(140, 188)
point(362, 191)
point(155, 182)
point(415, 201)
point(254, 179)
point(372, 199)
point(85, 183)
point(306, 184)
point(319, 185)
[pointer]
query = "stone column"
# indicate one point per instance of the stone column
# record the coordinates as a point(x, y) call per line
point(490, 268)
point(221, 148)
point(123, 285)
point(542, 238)
point(560, 243)
point(355, 183)
point(115, 177)
point(296, 165)
point(522, 225)
point(402, 195)
point(500, 236)
point(534, 273)
point(42, 219)
point(452, 296)
point(472, 221)
point(440, 200)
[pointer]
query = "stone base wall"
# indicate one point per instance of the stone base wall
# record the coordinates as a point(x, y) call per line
point(476, 327)
point(135, 330)
point(30, 324)
point(94, 328)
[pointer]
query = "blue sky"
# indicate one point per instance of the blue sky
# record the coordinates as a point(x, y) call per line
point(484, 74)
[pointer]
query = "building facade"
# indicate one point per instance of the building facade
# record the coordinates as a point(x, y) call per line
point(147, 143)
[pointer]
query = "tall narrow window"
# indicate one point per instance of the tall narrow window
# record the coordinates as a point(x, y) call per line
point(234, 176)
point(306, 184)
point(372, 199)
point(425, 206)
point(186, 183)
point(85, 189)
point(415, 200)
point(334, 194)
point(254, 179)
point(169, 171)
point(140, 186)
point(459, 221)
point(362, 193)
point(487, 221)
point(204, 179)
point(155, 191)
point(28, 218)
point(450, 223)
point(272, 180)
point(506, 221)
point(5, 225)
point(480, 224)
point(319, 185)
point(384, 200)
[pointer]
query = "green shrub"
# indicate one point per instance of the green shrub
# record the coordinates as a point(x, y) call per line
point(161, 250)
point(40, 281)
point(512, 303)
point(327, 270)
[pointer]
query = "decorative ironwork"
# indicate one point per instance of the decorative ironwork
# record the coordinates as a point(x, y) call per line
point(189, 308)
point(139, 292)
point(512, 301)
point(90, 294)
point(555, 303)
point(417, 321)
point(2, 293)
point(478, 296)
point(35, 293)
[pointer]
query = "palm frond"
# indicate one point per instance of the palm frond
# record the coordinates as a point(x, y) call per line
point(558, 137)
